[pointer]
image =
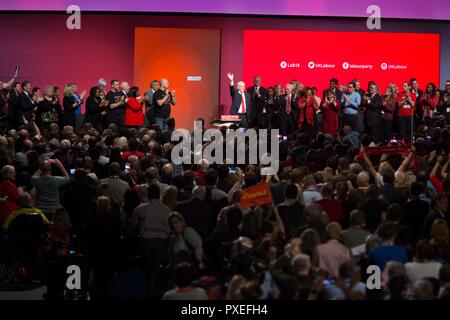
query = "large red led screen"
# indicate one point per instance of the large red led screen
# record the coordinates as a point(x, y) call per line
point(314, 57)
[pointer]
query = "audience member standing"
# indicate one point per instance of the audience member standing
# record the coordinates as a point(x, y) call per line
point(163, 100)
point(117, 102)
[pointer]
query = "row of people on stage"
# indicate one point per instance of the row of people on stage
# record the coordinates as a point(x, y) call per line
point(298, 107)
point(122, 105)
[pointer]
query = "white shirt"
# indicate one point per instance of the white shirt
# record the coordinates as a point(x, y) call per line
point(245, 103)
point(419, 270)
point(29, 97)
point(309, 196)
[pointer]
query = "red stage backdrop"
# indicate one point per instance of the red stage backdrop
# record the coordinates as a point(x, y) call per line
point(314, 57)
point(190, 60)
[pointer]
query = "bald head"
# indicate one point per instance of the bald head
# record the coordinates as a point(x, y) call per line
point(164, 83)
point(124, 86)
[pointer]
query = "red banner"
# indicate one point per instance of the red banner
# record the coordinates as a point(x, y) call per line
point(403, 150)
point(256, 195)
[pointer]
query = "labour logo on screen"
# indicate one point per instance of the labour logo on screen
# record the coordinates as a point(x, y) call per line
point(284, 65)
point(311, 64)
point(345, 65)
point(384, 66)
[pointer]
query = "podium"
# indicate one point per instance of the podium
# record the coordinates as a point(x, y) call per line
point(226, 121)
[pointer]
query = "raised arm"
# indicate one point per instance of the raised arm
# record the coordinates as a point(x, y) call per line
point(38, 131)
point(436, 166)
point(172, 100)
point(162, 101)
point(10, 82)
point(405, 164)
point(279, 221)
point(445, 168)
point(231, 78)
point(437, 183)
point(236, 186)
point(61, 167)
point(370, 166)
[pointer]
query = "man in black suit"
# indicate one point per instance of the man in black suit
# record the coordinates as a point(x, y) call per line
point(334, 89)
point(257, 91)
point(289, 112)
point(419, 93)
point(241, 101)
point(258, 94)
point(27, 104)
point(360, 122)
point(149, 118)
point(373, 104)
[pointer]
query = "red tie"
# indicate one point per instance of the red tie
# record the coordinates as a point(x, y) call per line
point(288, 104)
point(243, 103)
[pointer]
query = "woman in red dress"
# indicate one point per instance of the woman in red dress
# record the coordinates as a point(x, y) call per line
point(134, 115)
point(308, 106)
point(330, 110)
point(430, 100)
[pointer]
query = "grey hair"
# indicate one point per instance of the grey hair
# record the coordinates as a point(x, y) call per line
point(6, 169)
point(301, 262)
point(102, 82)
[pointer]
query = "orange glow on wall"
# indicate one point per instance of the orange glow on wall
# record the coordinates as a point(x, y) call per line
point(190, 60)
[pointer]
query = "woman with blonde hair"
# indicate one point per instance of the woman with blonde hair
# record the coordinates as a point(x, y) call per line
point(71, 103)
point(46, 112)
point(121, 143)
point(328, 175)
point(403, 182)
point(440, 239)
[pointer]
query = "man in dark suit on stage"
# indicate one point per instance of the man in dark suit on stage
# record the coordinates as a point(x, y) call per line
point(257, 91)
point(334, 89)
point(241, 101)
point(258, 94)
point(27, 104)
point(289, 112)
point(419, 94)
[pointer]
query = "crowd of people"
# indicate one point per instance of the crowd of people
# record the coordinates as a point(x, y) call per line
point(105, 195)
point(122, 105)
point(378, 113)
